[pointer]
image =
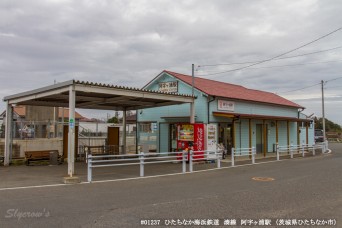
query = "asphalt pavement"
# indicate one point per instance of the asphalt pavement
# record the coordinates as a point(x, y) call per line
point(290, 190)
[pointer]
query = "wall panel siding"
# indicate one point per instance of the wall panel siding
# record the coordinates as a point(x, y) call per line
point(302, 135)
point(271, 135)
point(293, 133)
point(164, 137)
point(282, 131)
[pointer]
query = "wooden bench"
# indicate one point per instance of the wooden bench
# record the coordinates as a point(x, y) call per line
point(39, 155)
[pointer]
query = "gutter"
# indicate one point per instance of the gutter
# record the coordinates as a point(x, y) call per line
point(209, 101)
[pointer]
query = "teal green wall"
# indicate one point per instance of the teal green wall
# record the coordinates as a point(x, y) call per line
point(154, 114)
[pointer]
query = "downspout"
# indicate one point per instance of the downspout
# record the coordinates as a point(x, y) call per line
point(209, 101)
point(298, 134)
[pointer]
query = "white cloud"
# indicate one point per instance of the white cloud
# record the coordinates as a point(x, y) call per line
point(130, 42)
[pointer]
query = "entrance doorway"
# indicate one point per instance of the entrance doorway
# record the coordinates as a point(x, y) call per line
point(225, 136)
point(258, 135)
point(113, 140)
point(173, 137)
point(261, 135)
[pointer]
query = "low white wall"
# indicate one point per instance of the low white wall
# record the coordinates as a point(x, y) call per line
point(56, 144)
point(37, 144)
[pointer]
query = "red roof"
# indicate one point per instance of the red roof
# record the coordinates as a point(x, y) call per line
point(21, 111)
point(227, 90)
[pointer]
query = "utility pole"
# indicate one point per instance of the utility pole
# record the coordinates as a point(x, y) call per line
point(193, 79)
point(323, 113)
point(192, 105)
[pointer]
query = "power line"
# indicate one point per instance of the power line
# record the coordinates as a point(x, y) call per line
point(289, 57)
point(300, 88)
point(306, 87)
point(275, 57)
point(334, 79)
point(333, 87)
point(288, 65)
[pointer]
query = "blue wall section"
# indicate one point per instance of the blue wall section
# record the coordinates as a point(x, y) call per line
point(164, 137)
point(154, 114)
point(251, 108)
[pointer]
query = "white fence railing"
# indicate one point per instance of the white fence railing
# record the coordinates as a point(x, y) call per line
point(301, 149)
point(142, 159)
point(239, 152)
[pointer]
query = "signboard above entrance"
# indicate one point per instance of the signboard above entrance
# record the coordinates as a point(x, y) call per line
point(169, 87)
point(223, 105)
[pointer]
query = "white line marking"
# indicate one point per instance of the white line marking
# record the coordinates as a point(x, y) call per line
point(36, 186)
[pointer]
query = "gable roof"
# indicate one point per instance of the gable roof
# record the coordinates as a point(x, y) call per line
point(66, 113)
point(20, 110)
point(227, 90)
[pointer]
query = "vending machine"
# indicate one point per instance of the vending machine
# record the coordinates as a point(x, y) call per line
point(191, 137)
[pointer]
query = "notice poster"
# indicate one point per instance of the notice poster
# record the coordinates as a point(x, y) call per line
point(211, 138)
point(199, 137)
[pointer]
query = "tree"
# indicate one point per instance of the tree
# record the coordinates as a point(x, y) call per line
point(329, 125)
point(114, 119)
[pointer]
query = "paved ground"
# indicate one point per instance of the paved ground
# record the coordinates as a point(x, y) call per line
point(38, 174)
point(309, 188)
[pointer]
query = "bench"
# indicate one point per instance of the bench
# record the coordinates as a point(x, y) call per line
point(39, 155)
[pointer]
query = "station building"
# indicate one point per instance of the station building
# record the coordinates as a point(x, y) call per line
point(232, 115)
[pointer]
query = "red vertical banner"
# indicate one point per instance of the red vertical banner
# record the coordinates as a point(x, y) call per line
point(199, 136)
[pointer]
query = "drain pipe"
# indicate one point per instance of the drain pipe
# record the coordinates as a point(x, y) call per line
point(209, 101)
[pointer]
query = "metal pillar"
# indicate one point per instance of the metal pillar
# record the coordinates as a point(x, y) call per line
point(184, 158)
point(232, 159)
point(323, 112)
point(141, 159)
point(124, 124)
point(192, 105)
point(277, 150)
point(71, 133)
point(191, 168)
point(8, 135)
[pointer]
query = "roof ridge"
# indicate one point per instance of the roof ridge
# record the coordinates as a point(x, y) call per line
point(172, 72)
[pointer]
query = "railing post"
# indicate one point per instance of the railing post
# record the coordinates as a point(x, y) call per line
point(190, 161)
point(303, 150)
point(86, 154)
point(185, 154)
point(253, 155)
point(233, 151)
point(89, 163)
point(323, 145)
point(218, 157)
point(313, 150)
point(141, 158)
point(277, 150)
point(291, 151)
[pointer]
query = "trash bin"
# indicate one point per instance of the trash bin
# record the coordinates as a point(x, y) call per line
point(54, 157)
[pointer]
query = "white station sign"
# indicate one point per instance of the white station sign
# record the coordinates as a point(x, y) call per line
point(224, 105)
point(169, 87)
